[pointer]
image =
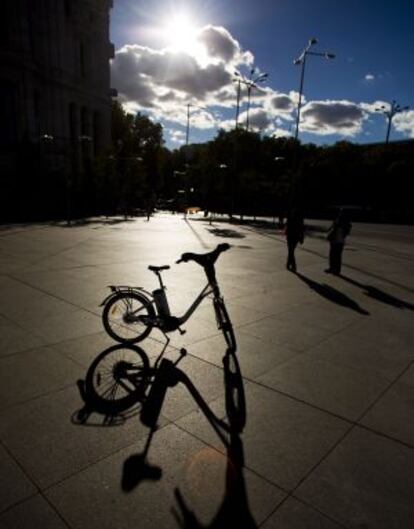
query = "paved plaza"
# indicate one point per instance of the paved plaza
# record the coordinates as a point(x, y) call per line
point(327, 374)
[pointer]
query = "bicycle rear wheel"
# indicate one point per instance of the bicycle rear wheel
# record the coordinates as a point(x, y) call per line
point(127, 317)
point(117, 379)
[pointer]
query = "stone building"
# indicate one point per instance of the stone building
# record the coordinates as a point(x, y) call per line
point(55, 91)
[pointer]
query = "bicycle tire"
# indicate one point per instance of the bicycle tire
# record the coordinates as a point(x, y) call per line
point(114, 317)
point(224, 323)
point(117, 379)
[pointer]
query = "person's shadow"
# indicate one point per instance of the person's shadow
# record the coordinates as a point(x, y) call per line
point(332, 294)
point(380, 295)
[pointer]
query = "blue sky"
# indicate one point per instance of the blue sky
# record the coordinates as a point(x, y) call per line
point(170, 53)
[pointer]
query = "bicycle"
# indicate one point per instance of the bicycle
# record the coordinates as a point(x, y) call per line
point(130, 313)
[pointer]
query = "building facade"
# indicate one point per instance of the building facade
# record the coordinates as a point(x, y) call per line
point(55, 90)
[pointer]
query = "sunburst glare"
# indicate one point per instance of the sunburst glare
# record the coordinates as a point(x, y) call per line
point(180, 34)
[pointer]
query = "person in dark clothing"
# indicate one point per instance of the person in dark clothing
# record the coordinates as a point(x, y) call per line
point(295, 230)
point(337, 234)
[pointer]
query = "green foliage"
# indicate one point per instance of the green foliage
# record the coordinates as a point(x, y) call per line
point(138, 159)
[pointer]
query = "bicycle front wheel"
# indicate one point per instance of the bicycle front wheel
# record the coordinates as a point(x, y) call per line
point(128, 317)
point(117, 379)
point(224, 323)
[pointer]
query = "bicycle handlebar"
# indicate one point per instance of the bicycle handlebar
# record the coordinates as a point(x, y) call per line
point(205, 258)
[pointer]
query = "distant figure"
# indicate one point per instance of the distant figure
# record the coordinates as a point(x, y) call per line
point(337, 234)
point(150, 206)
point(295, 231)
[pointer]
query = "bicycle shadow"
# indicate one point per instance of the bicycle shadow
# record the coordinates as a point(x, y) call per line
point(234, 508)
point(332, 294)
point(379, 295)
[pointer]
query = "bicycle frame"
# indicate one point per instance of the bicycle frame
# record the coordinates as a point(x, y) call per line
point(207, 290)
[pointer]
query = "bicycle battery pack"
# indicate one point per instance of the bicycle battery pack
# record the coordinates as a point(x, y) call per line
point(161, 302)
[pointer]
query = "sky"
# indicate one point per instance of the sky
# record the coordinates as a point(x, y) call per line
point(175, 53)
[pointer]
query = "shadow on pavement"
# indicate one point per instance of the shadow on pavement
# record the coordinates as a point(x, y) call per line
point(379, 295)
point(227, 233)
point(332, 294)
point(144, 388)
point(97, 222)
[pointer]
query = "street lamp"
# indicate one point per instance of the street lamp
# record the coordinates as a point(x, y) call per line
point(237, 79)
point(302, 60)
point(254, 78)
point(250, 82)
point(390, 112)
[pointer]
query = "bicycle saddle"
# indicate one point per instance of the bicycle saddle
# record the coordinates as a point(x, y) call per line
point(205, 259)
point(157, 269)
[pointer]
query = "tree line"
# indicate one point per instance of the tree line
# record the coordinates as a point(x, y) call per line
point(248, 174)
point(238, 173)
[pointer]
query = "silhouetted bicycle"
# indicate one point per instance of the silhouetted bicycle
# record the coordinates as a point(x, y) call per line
point(130, 313)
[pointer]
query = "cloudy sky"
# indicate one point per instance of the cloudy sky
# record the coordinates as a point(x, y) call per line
point(171, 53)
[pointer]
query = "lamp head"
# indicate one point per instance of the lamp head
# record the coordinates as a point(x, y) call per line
point(313, 41)
point(330, 55)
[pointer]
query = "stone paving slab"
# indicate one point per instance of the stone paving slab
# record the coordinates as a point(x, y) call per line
point(327, 365)
point(187, 465)
point(366, 481)
point(34, 512)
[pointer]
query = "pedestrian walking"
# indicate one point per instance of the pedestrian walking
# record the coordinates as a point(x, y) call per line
point(338, 232)
point(295, 232)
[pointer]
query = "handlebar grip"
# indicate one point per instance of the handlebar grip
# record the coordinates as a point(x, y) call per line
point(224, 246)
point(184, 258)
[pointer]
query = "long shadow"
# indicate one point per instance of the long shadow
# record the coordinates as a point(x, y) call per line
point(132, 382)
point(379, 295)
point(97, 222)
point(226, 233)
point(197, 235)
point(332, 294)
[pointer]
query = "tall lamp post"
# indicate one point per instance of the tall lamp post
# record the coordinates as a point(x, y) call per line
point(250, 82)
point(237, 79)
point(302, 61)
point(390, 112)
point(254, 78)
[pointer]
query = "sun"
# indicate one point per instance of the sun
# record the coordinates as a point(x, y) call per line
point(181, 34)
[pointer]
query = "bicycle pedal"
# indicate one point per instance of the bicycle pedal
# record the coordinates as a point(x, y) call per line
point(181, 331)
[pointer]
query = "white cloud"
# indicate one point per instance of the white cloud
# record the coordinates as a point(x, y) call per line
point(162, 82)
point(144, 75)
point(219, 43)
point(372, 107)
point(332, 117)
point(281, 133)
point(176, 136)
point(259, 120)
point(404, 123)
